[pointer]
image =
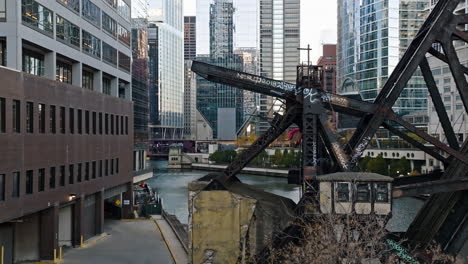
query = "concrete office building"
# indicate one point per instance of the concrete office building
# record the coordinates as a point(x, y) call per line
point(279, 43)
point(166, 53)
point(65, 122)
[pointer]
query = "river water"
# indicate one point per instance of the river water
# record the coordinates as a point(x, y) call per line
point(172, 188)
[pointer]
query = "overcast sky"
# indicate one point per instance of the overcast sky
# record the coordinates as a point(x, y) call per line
point(318, 23)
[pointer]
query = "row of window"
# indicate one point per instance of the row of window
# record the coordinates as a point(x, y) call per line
point(92, 11)
point(80, 172)
point(87, 122)
point(362, 193)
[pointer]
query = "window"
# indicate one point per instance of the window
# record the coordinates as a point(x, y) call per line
point(62, 120)
point(37, 16)
point(91, 12)
point(29, 181)
point(106, 172)
point(124, 62)
point(93, 175)
point(52, 178)
point(123, 9)
point(126, 125)
point(87, 122)
point(67, 32)
point(100, 168)
point(113, 3)
point(80, 121)
point(100, 123)
point(112, 166)
point(112, 124)
point(29, 117)
point(106, 123)
point(63, 72)
point(72, 4)
point(381, 192)
point(121, 125)
point(78, 175)
point(2, 10)
point(124, 35)
point(343, 192)
point(62, 175)
point(71, 120)
point(41, 181)
point(109, 55)
point(41, 117)
point(94, 123)
point(363, 192)
point(33, 63)
point(117, 166)
point(16, 185)
point(16, 111)
point(87, 82)
point(2, 49)
point(87, 171)
point(71, 176)
point(106, 83)
point(52, 113)
point(2, 115)
point(116, 124)
point(91, 44)
point(459, 107)
point(109, 25)
point(446, 98)
point(2, 187)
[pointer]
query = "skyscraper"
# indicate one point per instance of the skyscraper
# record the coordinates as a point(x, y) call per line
point(190, 36)
point(190, 88)
point(279, 43)
point(166, 48)
point(372, 35)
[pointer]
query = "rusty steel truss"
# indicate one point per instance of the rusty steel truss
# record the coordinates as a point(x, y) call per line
point(444, 215)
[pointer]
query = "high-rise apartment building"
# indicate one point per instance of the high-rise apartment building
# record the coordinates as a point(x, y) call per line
point(166, 53)
point(279, 43)
point(190, 37)
point(372, 36)
point(190, 93)
point(66, 122)
point(221, 28)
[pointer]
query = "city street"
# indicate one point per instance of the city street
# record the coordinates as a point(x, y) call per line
point(128, 242)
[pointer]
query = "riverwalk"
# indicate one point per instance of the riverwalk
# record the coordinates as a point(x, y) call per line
point(247, 170)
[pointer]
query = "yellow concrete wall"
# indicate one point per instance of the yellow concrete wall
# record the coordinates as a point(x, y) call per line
point(219, 223)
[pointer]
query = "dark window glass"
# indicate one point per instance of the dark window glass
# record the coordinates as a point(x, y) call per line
point(33, 63)
point(117, 166)
point(62, 120)
point(363, 192)
point(2, 115)
point(121, 125)
point(91, 44)
point(113, 3)
point(2, 187)
point(63, 72)
point(52, 118)
point(37, 16)
point(112, 124)
point(71, 175)
point(108, 24)
point(71, 120)
point(2, 49)
point(78, 178)
point(29, 181)
point(100, 168)
point(52, 178)
point(62, 175)
point(124, 62)
point(67, 32)
point(87, 171)
point(100, 123)
point(107, 168)
point(29, 117)
point(91, 12)
point(41, 115)
point(41, 180)
point(94, 123)
point(123, 9)
point(106, 82)
point(109, 55)
point(106, 123)
point(116, 124)
point(87, 122)
point(124, 35)
point(88, 80)
point(16, 185)
point(343, 192)
point(126, 125)
point(72, 4)
point(80, 121)
point(112, 166)
point(381, 192)
point(16, 118)
point(93, 175)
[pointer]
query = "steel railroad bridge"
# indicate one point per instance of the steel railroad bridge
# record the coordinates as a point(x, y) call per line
point(444, 215)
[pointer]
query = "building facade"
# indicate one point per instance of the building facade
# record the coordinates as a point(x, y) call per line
point(190, 37)
point(279, 43)
point(166, 53)
point(328, 62)
point(66, 122)
point(190, 86)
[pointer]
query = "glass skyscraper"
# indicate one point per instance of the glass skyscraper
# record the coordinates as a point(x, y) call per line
point(166, 53)
point(372, 36)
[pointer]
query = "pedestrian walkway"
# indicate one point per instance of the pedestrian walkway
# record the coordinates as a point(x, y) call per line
point(128, 242)
point(172, 241)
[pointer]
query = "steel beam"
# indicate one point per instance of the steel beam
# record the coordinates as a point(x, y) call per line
point(442, 57)
point(441, 186)
point(333, 146)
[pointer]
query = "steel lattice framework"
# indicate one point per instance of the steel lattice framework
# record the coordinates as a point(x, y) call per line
point(444, 215)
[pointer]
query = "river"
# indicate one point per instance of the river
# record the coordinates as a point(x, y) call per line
point(172, 188)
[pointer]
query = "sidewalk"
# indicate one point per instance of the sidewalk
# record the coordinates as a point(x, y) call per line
point(176, 249)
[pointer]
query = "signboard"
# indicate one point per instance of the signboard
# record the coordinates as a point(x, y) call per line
point(126, 202)
point(117, 202)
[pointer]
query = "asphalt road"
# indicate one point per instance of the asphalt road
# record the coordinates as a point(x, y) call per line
point(135, 242)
